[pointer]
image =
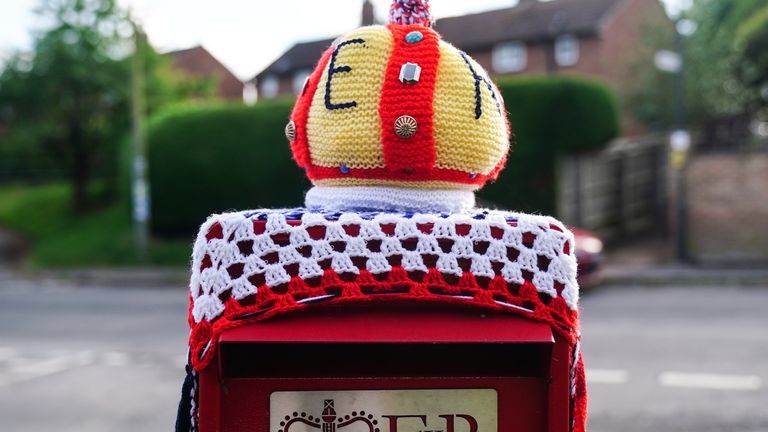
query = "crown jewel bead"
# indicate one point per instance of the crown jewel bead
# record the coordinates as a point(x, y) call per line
point(414, 37)
point(410, 73)
point(405, 126)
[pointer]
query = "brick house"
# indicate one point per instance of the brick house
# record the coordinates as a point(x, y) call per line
point(286, 75)
point(594, 38)
point(198, 62)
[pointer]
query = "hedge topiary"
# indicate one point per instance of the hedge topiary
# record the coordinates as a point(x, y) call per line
point(549, 116)
point(212, 159)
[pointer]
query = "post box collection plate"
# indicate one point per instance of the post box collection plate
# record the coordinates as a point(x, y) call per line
point(459, 410)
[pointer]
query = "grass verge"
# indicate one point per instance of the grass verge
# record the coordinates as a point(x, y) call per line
point(60, 238)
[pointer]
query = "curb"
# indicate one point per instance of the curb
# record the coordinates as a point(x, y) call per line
point(676, 275)
point(163, 278)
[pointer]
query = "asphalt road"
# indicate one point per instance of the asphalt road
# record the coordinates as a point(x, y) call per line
point(91, 359)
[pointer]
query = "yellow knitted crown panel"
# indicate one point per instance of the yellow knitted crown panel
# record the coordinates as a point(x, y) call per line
point(470, 127)
point(338, 132)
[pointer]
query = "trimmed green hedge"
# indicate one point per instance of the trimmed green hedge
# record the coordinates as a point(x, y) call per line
point(549, 116)
point(212, 159)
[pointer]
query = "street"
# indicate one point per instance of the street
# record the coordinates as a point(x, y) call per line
point(94, 359)
point(677, 359)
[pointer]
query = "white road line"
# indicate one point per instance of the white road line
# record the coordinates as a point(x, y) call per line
point(710, 381)
point(36, 369)
point(607, 376)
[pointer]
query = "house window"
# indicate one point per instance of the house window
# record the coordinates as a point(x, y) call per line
point(299, 78)
point(566, 50)
point(509, 57)
point(269, 87)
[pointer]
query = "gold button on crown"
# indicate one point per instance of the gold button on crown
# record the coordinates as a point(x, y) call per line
point(290, 131)
point(405, 126)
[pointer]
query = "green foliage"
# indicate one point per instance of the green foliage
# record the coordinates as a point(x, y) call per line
point(650, 96)
point(752, 40)
point(212, 159)
point(69, 98)
point(723, 71)
point(71, 89)
point(713, 85)
point(60, 238)
point(23, 159)
point(549, 116)
point(205, 160)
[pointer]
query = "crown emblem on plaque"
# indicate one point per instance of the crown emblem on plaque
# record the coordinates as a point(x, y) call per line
point(329, 421)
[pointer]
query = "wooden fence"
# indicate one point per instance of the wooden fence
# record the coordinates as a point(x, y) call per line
point(619, 191)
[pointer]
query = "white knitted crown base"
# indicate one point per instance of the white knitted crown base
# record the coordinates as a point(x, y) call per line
point(389, 198)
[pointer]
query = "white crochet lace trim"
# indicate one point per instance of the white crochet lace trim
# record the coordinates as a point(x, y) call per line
point(237, 230)
point(396, 199)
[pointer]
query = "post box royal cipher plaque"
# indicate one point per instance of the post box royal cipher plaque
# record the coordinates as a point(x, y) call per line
point(468, 410)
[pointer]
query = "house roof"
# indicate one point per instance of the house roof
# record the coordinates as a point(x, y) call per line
point(197, 61)
point(303, 55)
point(529, 21)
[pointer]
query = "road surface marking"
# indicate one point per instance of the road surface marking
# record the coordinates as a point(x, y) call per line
point(710, 381)
point(607, 376)
point(39, 368)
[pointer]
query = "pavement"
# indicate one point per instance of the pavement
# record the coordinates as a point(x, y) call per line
point(651, 262)
point(94, 358)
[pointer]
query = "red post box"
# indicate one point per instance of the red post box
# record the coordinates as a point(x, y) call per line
point(388, 369)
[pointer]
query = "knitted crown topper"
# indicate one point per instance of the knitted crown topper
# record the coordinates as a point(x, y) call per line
point(396, 106)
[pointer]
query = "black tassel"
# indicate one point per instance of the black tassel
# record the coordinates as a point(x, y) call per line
point(184, 415)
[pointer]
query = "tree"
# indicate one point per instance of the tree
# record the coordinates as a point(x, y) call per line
point(752, 41)
point(73, 89)
point(715, 66)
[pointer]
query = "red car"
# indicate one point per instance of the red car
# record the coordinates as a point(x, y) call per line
point(589, 255)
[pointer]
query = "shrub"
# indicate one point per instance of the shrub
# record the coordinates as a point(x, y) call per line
point(213, 159)
point(549, 116)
